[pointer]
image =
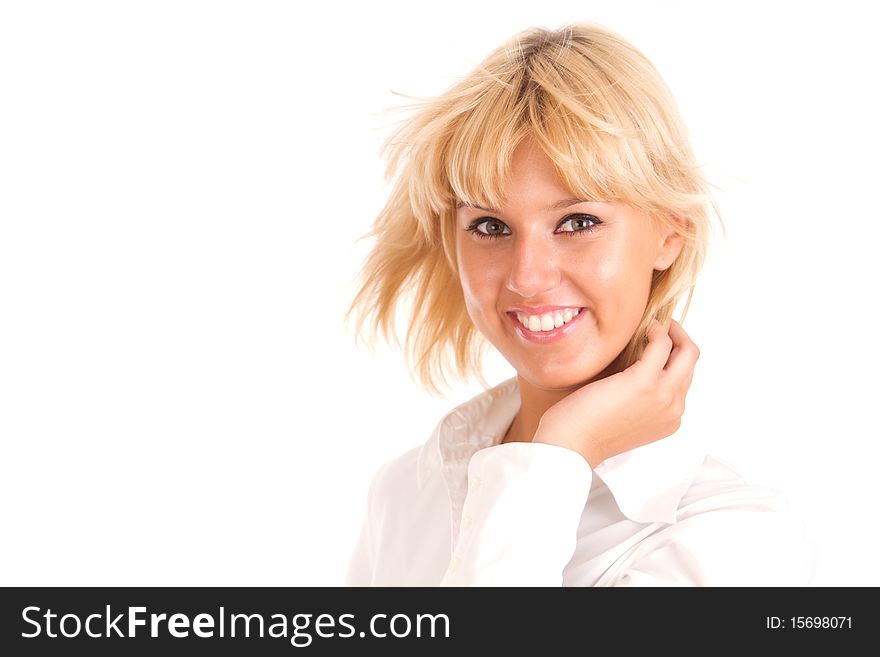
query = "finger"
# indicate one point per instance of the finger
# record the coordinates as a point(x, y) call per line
point(683, 356)
point(656, 353)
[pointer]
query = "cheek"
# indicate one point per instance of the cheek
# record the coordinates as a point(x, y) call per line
point(480, 283)
point(467, 274)
point(622, 287)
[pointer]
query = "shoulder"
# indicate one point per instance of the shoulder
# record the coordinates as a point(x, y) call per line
point(484, 414)
point(397, 472)
point(718, 485)
point(394, 478)
point(753, 531)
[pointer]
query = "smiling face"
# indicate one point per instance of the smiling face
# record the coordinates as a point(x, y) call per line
point(541, 252)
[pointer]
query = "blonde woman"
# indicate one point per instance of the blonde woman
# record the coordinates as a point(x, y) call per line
point(549, 204)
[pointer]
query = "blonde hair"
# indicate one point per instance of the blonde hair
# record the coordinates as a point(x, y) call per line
point(598, 109)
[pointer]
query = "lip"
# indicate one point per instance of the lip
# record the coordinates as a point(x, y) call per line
point(545, 337)
point(539, 310)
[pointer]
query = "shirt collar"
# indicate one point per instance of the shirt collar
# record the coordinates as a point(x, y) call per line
point(647, 482)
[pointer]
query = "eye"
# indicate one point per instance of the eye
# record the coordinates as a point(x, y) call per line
point(493, 228)
point(582, 224)
point(490, 228)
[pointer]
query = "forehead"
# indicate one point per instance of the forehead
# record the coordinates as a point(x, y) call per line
point(533, 174)
point(530, 179)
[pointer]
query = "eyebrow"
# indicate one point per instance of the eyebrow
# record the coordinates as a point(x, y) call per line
point(564, 203)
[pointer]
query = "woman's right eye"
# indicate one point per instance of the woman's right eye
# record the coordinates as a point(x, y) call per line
point(493, 228)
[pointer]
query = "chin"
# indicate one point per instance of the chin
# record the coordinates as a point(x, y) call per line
point(559, 379)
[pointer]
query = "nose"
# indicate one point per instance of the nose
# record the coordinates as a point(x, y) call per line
point(533, 267)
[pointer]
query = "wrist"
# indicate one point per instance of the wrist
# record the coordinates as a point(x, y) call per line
point(588, 452)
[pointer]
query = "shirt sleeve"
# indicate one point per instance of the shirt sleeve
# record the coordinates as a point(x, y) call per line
point(520, 517)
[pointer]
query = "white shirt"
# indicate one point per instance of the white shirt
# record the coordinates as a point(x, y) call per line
point(466, 510)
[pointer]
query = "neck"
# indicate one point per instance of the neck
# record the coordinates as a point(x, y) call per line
point(535, 401)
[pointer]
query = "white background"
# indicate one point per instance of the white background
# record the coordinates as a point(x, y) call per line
point(181, 187)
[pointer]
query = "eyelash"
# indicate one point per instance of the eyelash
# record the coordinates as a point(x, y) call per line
point(568, 233)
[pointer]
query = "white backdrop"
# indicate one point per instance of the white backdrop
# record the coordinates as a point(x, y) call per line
point(181, 185)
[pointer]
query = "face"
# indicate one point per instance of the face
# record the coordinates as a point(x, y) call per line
point(528, 266)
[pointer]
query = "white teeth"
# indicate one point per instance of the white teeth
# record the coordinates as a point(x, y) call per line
point(548, 321)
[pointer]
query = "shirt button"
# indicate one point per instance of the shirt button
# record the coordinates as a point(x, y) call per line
point(476, 482)
point(454, 565)
point(466, 522)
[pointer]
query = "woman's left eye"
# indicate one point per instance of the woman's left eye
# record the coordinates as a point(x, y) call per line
point(581, 223)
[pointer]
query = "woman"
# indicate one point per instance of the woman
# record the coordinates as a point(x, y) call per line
point(549, 203)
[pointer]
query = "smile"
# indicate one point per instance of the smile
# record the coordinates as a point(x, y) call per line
point(558, 325)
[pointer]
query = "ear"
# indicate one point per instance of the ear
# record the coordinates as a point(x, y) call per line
point(671, 243)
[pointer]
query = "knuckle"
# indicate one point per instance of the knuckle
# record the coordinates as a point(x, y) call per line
point(671, 424)
point(678, 407)
point(665, 397)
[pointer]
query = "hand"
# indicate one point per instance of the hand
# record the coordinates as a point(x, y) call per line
point(637, 406)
